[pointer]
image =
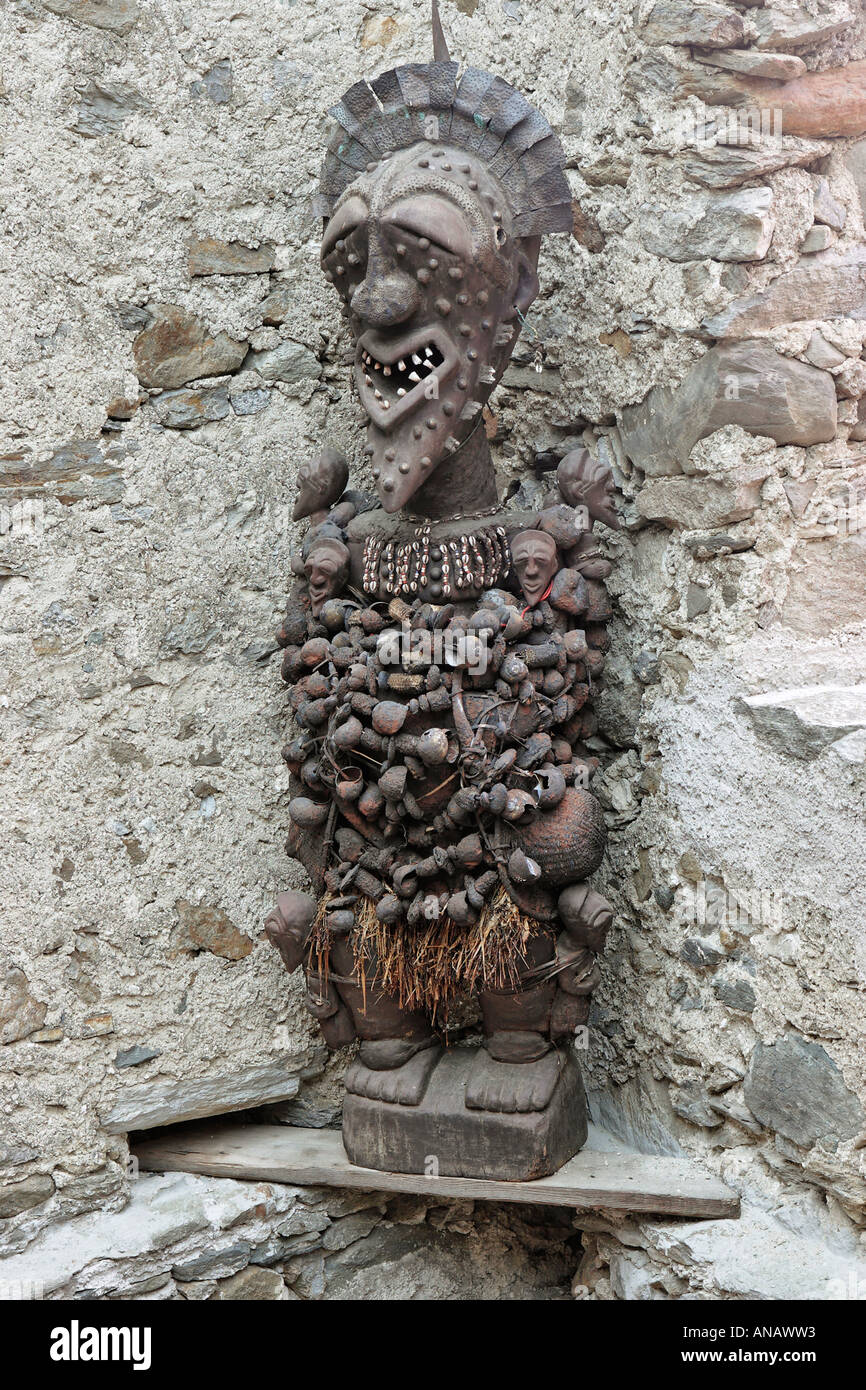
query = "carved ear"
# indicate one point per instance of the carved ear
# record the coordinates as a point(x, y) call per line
point(527, 276)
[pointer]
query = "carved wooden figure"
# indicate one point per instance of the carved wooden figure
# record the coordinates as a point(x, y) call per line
point(441, 652)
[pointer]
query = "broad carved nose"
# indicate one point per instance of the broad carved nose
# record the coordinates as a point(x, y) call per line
point(386, 299)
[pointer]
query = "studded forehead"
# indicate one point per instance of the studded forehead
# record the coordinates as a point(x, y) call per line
point(479, 115)
point(423, 167)
point(449, 174)
point(445, 171)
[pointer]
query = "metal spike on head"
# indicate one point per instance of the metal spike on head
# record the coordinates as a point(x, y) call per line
point(440, 47)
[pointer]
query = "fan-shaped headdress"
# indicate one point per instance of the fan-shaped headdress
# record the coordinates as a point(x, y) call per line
point(475, 112)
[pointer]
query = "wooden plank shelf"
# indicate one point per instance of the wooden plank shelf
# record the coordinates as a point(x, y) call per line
point(605, 1174)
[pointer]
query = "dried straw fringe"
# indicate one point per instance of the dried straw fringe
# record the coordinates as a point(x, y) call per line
point(430, 966)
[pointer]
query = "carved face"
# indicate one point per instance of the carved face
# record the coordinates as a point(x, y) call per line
point(584, 481)
point(327, 569)
point(536, 561)
point(320, 482)
point(600, 501)
point(421, 251)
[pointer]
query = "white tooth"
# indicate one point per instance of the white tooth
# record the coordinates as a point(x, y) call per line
point(413, 376)
point(386, 405)
point(387, 371)
point(401, 390)
point(378, 366)
point(368, 379)
point(402, 365)
point(428, 352)
point(378, 395)
point(416, 359)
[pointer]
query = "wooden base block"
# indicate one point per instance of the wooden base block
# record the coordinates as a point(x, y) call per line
point(443, 1137)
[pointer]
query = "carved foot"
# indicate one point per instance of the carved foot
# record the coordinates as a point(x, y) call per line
point(512, 1087)
point(400, 1085)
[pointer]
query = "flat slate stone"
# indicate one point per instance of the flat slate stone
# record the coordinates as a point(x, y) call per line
point(747, 384)
point(20, 1013)
point(210, 256)
point(736, 226)
point(161, 1102)
point(804, 720)
point(825, 286)
point(176, 347)
point(104, 107)
point(783, 67)
point(710, 26)
point(76, 470)
point(188, 408)
point(795, 1088)
point(778, 30)
point(605, 1174)
point(134, 1056)
point(724, 166)
point(735, 994)
point(290, 362)
point(118, 16)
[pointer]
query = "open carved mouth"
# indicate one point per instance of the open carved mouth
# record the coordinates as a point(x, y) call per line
point(403, 376)
point(393, 376)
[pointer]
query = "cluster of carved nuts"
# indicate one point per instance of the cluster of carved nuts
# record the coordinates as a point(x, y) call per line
point(419, 774)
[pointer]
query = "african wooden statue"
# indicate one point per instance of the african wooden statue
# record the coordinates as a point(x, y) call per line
point(441, 652)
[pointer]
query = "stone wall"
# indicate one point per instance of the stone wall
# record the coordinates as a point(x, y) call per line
point(170, 354)
point(185, 1237)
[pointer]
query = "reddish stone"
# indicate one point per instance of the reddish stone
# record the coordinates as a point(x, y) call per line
point(177, 347)
point(122, 408)
point(210, 256)
point(586, 229)
point(830, 103)
point(210, 929)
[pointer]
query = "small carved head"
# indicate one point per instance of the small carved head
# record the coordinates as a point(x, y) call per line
point(320, 482)
point(288, 925)
point(536, 561)
point(588, 482)
point(327, 570)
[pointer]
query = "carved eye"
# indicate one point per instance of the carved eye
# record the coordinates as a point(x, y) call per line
point(350, 249)
point(432, 222)
point(344, 260)
point(408, 238)
point(342, 227)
